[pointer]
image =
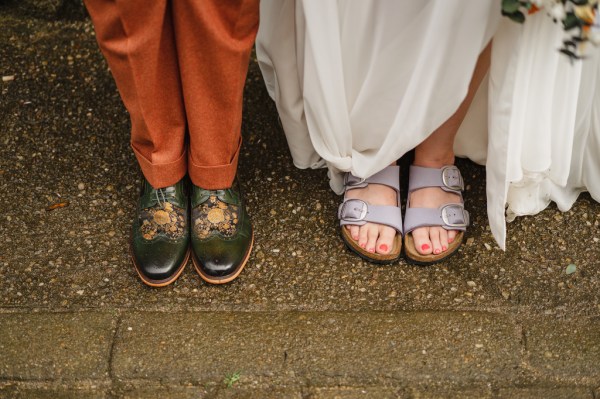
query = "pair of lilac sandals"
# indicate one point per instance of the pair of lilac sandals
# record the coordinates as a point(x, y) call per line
point(451, 216)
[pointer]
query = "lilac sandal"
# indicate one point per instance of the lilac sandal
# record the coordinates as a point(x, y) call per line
point(358, 212)
point(450, 216)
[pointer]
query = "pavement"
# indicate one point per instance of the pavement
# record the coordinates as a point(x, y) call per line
point(306, 318)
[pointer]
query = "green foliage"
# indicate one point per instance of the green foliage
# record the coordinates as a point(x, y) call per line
point(571, 21)
point(513, 9)
point(510, 6)
point(517, 10)
point(231, 379)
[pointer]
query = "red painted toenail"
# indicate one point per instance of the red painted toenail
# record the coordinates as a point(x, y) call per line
point(425, 247)
point(383, 247)
point(437, 251)
point(444, 248)
point(450, 240)
point(371, 250)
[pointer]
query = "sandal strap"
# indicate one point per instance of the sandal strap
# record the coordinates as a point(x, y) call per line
point(389, 176)
point(449, 216)
point(358, 212)
point(448, 178)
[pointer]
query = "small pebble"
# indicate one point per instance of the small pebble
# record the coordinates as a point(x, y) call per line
point(81, 186)
point(487, 246)
point(471, 284)
point(8, 78)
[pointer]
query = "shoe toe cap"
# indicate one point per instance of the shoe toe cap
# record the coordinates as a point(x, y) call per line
point(159, 262)
point(221, 258)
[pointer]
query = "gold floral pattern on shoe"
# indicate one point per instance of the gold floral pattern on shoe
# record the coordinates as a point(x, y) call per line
point(167, 219)
point(215, 216)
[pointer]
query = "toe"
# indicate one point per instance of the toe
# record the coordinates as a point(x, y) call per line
point(354, 232)
point(362, 235)
point(372, 237)
point(422, 241)
point(434, 236)
point(444, 239)
point(451, 236)
point(385, 242)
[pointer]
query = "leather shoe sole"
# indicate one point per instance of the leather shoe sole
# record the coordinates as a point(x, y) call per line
point(229, 277)
point(160, 283)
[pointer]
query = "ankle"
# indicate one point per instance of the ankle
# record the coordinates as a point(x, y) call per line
point(434, 161)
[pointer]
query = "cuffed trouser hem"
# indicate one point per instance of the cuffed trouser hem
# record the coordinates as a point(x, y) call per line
point(164, 174)
point(214, 177)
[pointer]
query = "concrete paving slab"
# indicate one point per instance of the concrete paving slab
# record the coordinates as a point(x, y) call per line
point(17, 392)
point(356, 393)
point(43, 346)
point(451, 391)
point(564, 349)
point(162, 391)
point(545, 393)
point(263, 393)
point(317, 346)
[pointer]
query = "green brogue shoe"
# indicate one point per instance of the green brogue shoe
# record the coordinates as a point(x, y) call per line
point(160, 239)
point(221, 233)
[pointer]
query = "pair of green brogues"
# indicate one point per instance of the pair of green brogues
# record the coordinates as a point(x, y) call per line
point(216, 232)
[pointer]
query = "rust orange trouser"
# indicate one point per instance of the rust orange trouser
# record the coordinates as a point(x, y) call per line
point(180, 67)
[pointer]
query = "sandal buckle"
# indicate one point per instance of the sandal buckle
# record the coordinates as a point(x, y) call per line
point(452, 178)
point(350, 212)
point(451, 214)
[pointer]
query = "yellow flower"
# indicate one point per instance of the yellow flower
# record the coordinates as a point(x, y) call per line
point(585, 13)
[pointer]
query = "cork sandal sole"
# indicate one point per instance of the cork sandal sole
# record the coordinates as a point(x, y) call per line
point(381, 259)
point(414, 257)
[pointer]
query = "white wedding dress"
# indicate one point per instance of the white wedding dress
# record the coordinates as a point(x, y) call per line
point(543, 117)
point(358, 83)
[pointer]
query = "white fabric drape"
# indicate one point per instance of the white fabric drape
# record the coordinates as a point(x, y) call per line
point(543, 121)
point(358, 83)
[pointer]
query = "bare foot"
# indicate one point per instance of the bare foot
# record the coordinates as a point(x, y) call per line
point(372, 236)
point(432, 240)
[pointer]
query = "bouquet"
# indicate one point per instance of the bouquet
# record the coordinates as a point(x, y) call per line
point(579, 18)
